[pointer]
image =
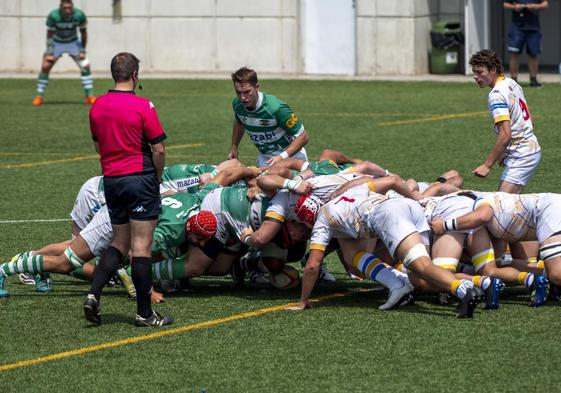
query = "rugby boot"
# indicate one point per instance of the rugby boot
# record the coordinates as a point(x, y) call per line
point(398, 297)
point(90, 100)
point(37, 101)
point(492, 294)
point(538, 291)
point(43, 283)
point(92, 310)
point(3, 291)
point(153, 320)
point(467, 304)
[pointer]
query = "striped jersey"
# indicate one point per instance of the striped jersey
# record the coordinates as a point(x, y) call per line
point(272, 126)
point(66, 29)
point(507, 102)
point(184, 177)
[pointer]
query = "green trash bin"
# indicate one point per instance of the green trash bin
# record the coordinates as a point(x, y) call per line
point(446, 39)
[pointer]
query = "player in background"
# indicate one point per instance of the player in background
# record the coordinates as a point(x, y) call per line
point(516, 148)
point(270, 123)
point(62, 37)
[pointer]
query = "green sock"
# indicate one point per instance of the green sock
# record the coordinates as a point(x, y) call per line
point(78, 273)
point(42, 82)
point(87, 82)
point(170, 269)
point(24, 264)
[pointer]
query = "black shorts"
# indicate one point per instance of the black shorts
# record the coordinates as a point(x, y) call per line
point(133, 197)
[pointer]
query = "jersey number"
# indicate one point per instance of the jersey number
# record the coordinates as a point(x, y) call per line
point(171, 202)
point(524, 107)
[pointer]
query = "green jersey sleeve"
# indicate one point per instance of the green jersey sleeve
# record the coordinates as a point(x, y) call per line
point(288, 120)
point(51, 21)
point(80, 18)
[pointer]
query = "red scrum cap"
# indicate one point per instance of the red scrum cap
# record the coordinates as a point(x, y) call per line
point(202, 224)
point(307, 208)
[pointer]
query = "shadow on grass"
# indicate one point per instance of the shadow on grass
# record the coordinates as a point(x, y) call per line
point(112, 319)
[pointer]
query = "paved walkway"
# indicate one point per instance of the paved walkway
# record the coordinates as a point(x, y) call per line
point(550, 77)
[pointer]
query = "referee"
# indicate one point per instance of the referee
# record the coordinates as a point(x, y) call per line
point(129, 138)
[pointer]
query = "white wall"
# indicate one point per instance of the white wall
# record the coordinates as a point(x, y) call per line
point(218, 36)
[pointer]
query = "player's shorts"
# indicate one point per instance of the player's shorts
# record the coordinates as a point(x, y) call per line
point(548, 216)
point(395, 219)
point(98, 233)
point(517, 38)
point(133, 197)
point(89, 200)
point(263, 158)
point(72, 48)
point(452, 207)
point(520, 170)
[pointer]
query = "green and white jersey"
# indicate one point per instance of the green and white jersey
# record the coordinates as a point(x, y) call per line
point(184, 177)
point(66, 29)
point(272, 126)
point(233, 211)
point(170, 230)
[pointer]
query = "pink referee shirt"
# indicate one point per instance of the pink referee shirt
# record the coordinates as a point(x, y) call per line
point(124, 125)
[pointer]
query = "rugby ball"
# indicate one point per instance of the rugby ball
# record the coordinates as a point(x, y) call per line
point(289, 278)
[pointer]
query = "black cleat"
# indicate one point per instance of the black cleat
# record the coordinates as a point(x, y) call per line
point(153, 320)
point(467, 304)
point(92, 310)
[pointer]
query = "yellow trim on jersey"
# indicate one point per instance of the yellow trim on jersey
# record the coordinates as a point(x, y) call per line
point(371, 185)
point(498, 119)
point(316, 246)
point(275, 216)
point(483, 258)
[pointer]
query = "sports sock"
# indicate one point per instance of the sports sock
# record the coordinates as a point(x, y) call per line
point(87, 82)
point(376, 270)
point(104, 270)
point(459, 288)
point(142, 279)
point(42, 82)
point(78, 273)
point(526, 279)
point(26, 263)
point(170, 269)
point(482, 282)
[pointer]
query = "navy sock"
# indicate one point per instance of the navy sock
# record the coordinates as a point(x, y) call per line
point(142, 279)
point(105, 269)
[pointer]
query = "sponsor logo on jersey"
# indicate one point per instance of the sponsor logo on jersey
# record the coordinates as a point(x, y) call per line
point(265, 122)
point(186, 183)
point(264, 136)
point(291, 122)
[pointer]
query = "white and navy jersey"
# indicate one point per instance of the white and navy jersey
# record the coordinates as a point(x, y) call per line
point(282, 205)
point(514, 214)
point(343, 217)
point(507, 102)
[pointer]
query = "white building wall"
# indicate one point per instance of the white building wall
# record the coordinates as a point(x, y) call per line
point(218, 36)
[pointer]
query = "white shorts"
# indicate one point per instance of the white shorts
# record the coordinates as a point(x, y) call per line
point(548, 216)
point(520, 170)
point(72, 48)
point(395, 219)
point(98, 233)
point(452, 207)
point(263, 158)
point(88, 202)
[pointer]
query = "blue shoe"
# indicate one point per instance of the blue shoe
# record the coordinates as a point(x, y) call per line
point(43, 283)
point(3, 291)
point(492, 294)
point(538, 291)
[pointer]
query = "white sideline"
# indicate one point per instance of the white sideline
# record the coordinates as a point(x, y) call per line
point(28, 221)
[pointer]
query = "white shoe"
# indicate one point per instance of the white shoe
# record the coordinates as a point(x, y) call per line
point(26, 278)
point(325, 275)
point(258, 277)
point(397, 296)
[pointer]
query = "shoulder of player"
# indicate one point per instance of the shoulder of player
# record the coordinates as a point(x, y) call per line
point(78, 13)
point(54, 14)
point(273, 103)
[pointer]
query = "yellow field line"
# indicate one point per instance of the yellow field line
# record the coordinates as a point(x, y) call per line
point(432, 118)
point(82, 158)
point(161, 333)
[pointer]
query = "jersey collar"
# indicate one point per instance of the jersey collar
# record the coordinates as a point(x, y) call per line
point(259, 102)
point(121, 91)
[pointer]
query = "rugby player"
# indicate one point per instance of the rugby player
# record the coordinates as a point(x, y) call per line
point(62, 37)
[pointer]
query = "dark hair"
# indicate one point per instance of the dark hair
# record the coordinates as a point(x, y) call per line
point(245, 75)
point(65, 1)
point(487, 58)
point(123, 65)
